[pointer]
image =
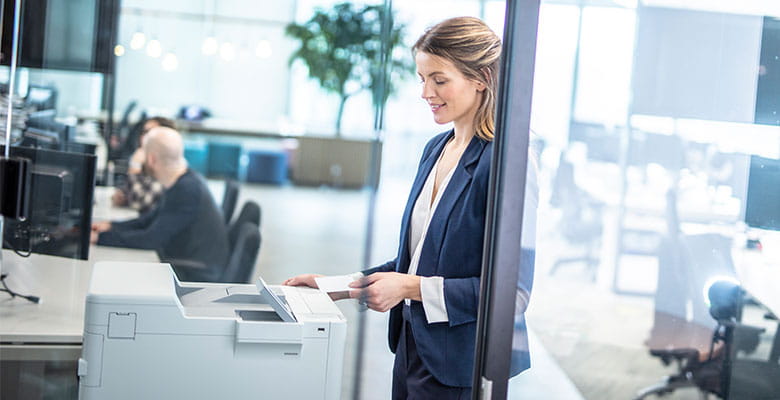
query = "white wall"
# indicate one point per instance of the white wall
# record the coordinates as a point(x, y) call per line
point(697, 64)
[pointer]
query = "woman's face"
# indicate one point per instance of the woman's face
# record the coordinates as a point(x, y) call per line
point(451, 96)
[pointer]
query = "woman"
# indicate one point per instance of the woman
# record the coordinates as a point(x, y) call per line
point(432, 287)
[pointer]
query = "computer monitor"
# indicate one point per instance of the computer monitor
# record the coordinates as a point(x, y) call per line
point(41, 97)
point(762, 205)
point(43, 131)
point(61, 197)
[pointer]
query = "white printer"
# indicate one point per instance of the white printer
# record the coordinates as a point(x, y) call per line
point(149, 336)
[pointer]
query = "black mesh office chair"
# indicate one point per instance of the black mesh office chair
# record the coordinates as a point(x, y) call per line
point(682, 328)
point(740, 378)
point(683, 331)
point(229, 199)
point(250, 212)
point(240, 264)
point(242, 259)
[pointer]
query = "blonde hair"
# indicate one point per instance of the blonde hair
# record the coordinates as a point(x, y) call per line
point(472, 47)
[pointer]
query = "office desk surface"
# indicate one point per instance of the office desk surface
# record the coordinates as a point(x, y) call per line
point(760, 276)
point(62, 284)
point(104, 210)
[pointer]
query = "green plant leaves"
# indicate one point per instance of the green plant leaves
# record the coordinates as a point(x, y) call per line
point(344, 51)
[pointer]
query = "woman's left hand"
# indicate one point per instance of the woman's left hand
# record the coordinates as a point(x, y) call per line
point(382, 291)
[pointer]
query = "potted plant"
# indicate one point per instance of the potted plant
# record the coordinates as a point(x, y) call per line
point(344, 51)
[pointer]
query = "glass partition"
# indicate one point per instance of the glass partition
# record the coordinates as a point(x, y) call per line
point(284, 161)
point(657, 127)
point(653, 143)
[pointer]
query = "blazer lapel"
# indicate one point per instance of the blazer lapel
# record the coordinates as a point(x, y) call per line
point(404, 258)
point(461, 178)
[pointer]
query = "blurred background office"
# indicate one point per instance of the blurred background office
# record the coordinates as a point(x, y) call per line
point(657, 123)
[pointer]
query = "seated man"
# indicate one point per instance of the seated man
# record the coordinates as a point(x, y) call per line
point(185, 228)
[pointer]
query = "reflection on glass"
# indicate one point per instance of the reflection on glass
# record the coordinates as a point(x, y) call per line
point(650, 116)
point(259, 133)
point(430, 289)
point(656, 243)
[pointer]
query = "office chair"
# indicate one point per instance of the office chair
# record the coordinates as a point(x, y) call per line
point(239, 266)
point(740, 378)
point(127, 133)
point(229, 199)
point(581, 219)
point(242, 259)
point(250, 212)
point(683, 331)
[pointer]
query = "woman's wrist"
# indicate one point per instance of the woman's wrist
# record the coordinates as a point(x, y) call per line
point(413, 288)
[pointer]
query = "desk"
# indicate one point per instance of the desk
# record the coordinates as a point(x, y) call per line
point(759, 276)
point(104, 209)
point(41, 343)
point(52, 329)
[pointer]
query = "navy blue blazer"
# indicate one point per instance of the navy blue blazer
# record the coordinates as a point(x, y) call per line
point(453, 250)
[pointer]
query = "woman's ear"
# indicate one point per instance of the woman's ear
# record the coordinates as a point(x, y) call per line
point(485, 74)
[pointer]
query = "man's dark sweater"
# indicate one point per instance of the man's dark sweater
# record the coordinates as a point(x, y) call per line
point(185, 225)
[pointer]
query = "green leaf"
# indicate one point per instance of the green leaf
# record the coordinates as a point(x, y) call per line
point(345, 44)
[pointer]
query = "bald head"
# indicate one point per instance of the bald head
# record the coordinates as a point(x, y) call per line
point(164, 148)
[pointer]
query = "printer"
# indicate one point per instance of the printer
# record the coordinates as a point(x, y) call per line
point(149, 336)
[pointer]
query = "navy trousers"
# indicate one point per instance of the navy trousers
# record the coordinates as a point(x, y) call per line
point(411, 380)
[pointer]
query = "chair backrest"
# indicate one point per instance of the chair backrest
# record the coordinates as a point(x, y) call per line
point(724, 296)
point(687, 264)
point(581, 212)
point(708, 257)
point(229, 199)
point(250, 212)
point(244, 255)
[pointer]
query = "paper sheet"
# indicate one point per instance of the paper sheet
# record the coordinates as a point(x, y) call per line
point(338, 283)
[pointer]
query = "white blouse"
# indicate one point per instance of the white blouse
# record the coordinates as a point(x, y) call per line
point(431, 288)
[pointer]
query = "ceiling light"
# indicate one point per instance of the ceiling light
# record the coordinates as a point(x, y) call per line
point(170, 62)
point(137, 41)
point(210, 46)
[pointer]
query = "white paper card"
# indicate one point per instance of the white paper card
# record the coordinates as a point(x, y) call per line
point(338, 283)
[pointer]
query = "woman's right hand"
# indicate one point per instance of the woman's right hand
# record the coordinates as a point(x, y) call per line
point(303, 280)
